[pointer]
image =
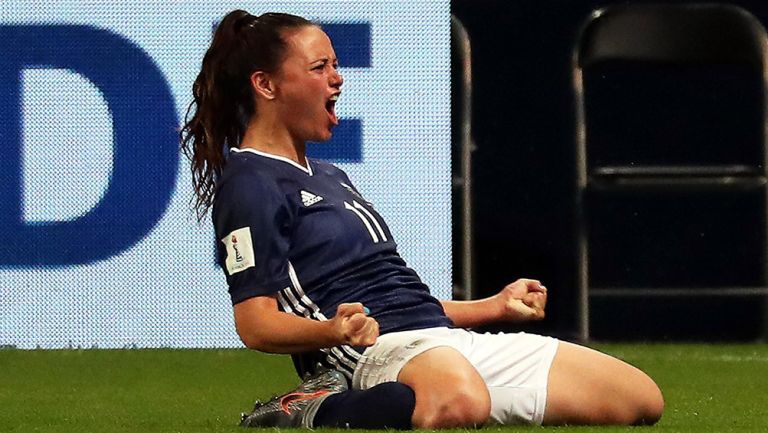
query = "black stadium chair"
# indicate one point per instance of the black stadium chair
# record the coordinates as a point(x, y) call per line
point(671, 156)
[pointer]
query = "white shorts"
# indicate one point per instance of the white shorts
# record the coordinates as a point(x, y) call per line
point(514, 366)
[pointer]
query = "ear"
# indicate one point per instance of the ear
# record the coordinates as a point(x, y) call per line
point(262, 85)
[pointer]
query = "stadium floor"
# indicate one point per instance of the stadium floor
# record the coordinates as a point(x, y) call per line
point(708, 388)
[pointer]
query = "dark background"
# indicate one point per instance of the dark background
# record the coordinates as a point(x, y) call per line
point(524, 193)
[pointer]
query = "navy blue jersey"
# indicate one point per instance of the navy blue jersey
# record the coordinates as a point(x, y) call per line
point(307, 236)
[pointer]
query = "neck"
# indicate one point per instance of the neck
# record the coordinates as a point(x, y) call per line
point(269, 136)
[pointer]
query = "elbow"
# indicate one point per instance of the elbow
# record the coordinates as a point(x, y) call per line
point(254, 341)
point(257, 322)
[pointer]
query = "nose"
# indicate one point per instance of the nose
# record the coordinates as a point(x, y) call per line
point(336, 79)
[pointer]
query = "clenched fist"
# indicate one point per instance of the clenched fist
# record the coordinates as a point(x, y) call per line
point(353, 326)
point(523, 300)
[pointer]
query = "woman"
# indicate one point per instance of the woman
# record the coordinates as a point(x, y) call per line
point(313, 270)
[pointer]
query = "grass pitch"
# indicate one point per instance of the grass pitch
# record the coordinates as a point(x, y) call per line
point(708, 388)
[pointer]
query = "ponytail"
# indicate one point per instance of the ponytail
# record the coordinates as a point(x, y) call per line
point(223, 101)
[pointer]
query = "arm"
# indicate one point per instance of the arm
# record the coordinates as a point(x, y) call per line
point(521, 301)
point(261, 326)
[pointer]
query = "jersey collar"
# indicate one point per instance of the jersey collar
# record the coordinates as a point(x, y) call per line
point(307, 170)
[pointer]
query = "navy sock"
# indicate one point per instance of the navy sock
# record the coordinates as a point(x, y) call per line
point(387, 405)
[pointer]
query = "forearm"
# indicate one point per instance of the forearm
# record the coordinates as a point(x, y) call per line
point(468, 314)
point(522, 301)
point(286, 333)
point(262, 326)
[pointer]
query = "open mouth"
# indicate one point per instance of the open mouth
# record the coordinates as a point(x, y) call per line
point(330, 107)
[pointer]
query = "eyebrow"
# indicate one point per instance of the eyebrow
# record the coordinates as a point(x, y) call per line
point(325, 59)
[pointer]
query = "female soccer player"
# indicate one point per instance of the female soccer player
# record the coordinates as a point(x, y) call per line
point(313, 269)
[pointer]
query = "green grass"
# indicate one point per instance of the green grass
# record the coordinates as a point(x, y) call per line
point(708, 388)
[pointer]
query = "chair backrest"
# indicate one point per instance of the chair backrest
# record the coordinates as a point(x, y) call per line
point(673, 86)
point(704, 33)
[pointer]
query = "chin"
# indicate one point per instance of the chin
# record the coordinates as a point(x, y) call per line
point(323, 137)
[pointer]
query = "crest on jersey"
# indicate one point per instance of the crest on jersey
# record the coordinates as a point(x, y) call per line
point(309, 199)
point(239, 248)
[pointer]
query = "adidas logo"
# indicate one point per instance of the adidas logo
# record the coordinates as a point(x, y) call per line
point(309, 199)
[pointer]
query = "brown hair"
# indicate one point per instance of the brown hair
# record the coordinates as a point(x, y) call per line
point(223, 100)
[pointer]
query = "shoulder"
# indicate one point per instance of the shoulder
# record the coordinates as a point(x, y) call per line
point(245, 180)
point(328, 169)
point(248, 186)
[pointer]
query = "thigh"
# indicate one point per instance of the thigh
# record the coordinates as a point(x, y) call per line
point(442, 371)
point(589, 387)
point(383, 361)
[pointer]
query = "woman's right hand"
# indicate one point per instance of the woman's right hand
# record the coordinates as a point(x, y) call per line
point(353, 326)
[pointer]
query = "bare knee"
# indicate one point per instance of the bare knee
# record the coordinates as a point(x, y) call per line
point(449, 391)
point(462, 409)
point(643, 405)
point(649, 405)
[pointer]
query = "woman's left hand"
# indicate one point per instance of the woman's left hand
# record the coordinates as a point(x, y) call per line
point(522, 301)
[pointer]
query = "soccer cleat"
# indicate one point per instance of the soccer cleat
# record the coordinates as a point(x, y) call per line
point(298, 407)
